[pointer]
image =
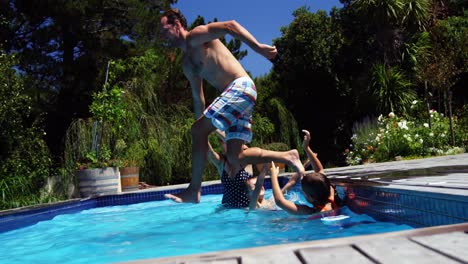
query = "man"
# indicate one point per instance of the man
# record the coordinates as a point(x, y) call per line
point(205, 57)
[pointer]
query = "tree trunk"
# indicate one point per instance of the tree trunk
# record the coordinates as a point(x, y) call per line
point(426, 94)
point(452, 135)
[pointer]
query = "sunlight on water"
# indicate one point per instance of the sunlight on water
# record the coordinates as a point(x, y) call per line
point(164, 228)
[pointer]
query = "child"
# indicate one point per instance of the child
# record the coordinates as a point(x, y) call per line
point(316, 187)
point(311, 160)
point(243, 189)
point(317, 190)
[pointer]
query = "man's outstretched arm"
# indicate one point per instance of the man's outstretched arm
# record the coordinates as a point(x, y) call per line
point(215, 30)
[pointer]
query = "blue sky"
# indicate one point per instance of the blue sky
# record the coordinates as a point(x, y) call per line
point(263, 18)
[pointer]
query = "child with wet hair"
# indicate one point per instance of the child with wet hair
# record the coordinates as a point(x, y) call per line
point(316, 189)
point(315, 186)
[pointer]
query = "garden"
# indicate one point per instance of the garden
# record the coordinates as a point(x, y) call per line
point(372, 81)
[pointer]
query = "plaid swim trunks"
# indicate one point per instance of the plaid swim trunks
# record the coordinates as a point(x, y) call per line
point(232, 110)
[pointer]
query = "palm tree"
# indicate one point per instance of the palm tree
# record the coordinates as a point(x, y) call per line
point(392, 91)
point(392, 17)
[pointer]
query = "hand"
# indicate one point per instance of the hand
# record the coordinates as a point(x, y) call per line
point(306, 141)
point(274, 170)
point(268, 51)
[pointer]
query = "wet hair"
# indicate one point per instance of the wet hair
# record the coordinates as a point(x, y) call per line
point(317, 185)
point(173, 15)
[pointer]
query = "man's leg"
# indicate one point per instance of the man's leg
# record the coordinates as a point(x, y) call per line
point(238, 157)
point(201, 129)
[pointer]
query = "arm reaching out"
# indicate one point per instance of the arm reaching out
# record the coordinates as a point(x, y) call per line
point(316, 164)
point(280, 201)
point(312, 159)
point(215, 30)
point(216, 159)
point(258, 188)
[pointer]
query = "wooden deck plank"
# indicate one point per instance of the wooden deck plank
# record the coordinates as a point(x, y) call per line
point(333, 255)
point(233, 260)
point(454, 244)
point(401, 249)
point(277, 256)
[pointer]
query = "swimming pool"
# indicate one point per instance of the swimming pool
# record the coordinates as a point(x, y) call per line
point(163, 228)
point(416, 203)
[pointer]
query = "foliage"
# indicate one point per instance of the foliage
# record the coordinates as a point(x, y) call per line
point(108, 106)
point(79, 153)
point(304, 80)
point(319, 83)
point(394, 136)
point(63, 47)
point(25, 161)
point(391, 89)
point(276, 146)
point(461, 119)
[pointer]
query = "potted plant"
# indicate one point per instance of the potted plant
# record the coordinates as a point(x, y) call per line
point(131, 157)
point(97, 174)
point(98, 169)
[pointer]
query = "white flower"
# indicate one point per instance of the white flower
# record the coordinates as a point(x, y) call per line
point(426, 125)
point(391, 115)
point(442, 135)
point(407, 137)
point(416, 136)
point(402, 125)
point(421, 140)
point(415, 102)
point(380, 117)
point(431, 134)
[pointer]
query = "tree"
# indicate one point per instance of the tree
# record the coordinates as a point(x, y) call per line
point(63, 47)
point(391, 20)
point(306, 76)
point(24, 157)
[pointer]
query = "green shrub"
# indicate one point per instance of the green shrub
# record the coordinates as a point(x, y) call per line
point(25, 160)
point(394, 136)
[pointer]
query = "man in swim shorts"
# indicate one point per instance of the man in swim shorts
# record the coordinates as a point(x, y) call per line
point(206, 58)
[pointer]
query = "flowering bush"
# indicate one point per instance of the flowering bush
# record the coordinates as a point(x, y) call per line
point(393, 136)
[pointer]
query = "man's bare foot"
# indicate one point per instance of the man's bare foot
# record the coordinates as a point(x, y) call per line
point(295, 162)
point(186, 196)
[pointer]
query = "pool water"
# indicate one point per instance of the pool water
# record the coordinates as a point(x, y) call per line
point(164, 228)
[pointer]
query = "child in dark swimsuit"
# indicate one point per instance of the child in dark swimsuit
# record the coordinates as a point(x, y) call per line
point(315, 186)
point(241, 190)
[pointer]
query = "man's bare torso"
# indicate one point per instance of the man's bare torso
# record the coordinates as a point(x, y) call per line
point(213, 62)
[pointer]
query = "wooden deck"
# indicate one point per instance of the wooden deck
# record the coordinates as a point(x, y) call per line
point(442, 244)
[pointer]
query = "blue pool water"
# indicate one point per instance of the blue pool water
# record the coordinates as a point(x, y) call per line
point(164, 228)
